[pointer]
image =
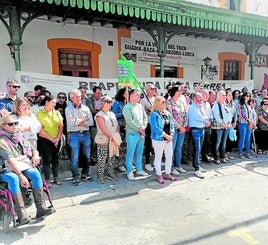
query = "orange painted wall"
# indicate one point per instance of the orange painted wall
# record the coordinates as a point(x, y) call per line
point(122, 32)
point(232, 56)
point(70, 43)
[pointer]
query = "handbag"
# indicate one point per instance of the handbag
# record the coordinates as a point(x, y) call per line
point(101, 139)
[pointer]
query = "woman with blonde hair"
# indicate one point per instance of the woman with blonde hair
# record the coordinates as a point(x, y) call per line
point(20, 159)
point(107, 127)
point(28, 123)
point(162, 131)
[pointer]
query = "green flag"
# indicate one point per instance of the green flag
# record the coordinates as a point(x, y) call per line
point(125, 73)
point(126, 76)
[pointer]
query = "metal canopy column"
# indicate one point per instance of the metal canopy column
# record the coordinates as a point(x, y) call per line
point(15, 35)
point(251, 49)
point(161, 36)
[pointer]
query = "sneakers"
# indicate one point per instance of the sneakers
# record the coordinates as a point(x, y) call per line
point(111, 177)
point(180, 169)
point(223, 160)
point(142, 173)
point(199, 174)
point(122, 168)
point(217, 161)
point(148, 167)
point(75, 181)
point(241, 156)
point(86, 177)
point(130, 176)
point(175, 172)
point(248, 156)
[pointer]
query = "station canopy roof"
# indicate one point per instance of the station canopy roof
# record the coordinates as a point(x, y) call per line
point(182, 17)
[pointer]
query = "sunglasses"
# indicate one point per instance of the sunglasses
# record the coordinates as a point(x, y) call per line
point(62, 97)
point(265, 104)
point(11, 123)
point(14, 86)
point(108, 101)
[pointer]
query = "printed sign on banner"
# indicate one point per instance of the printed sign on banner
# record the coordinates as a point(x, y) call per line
point(57, 84)
point(145, 51)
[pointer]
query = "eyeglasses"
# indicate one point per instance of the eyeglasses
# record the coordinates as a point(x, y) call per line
point(14, 86)
point(108, 101)
point(265, 104)
point(11, 123)
point(61, 97)
point(248, 96)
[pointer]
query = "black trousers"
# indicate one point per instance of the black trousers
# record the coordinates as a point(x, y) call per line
point(206, 143)
point(148, 148)
point(49, 153)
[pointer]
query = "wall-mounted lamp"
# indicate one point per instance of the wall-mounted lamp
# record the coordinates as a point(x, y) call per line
point(11, 49)
point(207, 70)
point(207, 61)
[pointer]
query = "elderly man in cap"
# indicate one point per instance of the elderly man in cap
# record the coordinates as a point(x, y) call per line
point(6, 104)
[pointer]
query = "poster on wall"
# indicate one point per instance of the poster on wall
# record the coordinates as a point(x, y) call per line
point(56, 83)
point(145, 51)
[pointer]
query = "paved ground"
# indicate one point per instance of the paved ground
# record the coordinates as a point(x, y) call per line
point(228, 207)
point(68, 192)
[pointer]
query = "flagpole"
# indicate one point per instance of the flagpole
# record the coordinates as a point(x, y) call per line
point(142, 89)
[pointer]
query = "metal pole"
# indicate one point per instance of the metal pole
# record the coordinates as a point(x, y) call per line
point(15, 35)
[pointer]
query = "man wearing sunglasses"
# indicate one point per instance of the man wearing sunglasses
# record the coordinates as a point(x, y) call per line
point(30, 96)
point(6, 104)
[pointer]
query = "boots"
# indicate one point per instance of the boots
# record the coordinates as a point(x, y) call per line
point(42, 210)
point(23, 218)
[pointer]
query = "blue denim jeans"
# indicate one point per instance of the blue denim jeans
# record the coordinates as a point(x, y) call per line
point(218, 141)
point(198, 136)
point(13, 181)
point(77, 140)
point(244, 137)
point(135, 144)
point(177, 142)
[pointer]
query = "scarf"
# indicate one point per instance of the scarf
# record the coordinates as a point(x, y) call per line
point(17, 142)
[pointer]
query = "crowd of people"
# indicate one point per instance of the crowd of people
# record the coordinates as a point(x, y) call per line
point(202, 126)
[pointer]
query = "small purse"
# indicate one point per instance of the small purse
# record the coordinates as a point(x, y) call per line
point(101, 139)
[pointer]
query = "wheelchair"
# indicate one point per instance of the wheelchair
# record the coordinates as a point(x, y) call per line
point(8, 216)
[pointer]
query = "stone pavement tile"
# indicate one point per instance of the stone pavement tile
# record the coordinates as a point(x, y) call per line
point(130, 190)
point(94, 197)
point(92, 191)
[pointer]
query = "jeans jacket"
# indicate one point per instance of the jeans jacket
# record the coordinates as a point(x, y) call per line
point(157, 123)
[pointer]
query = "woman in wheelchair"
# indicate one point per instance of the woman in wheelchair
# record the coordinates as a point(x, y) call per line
point(20, 160)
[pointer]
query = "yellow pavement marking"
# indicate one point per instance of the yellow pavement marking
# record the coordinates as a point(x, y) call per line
point(243, 233)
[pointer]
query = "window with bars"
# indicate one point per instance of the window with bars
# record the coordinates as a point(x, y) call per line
point(231, 70)
point(76, 63)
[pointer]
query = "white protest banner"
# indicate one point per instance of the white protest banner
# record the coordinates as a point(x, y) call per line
point(56, 84)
